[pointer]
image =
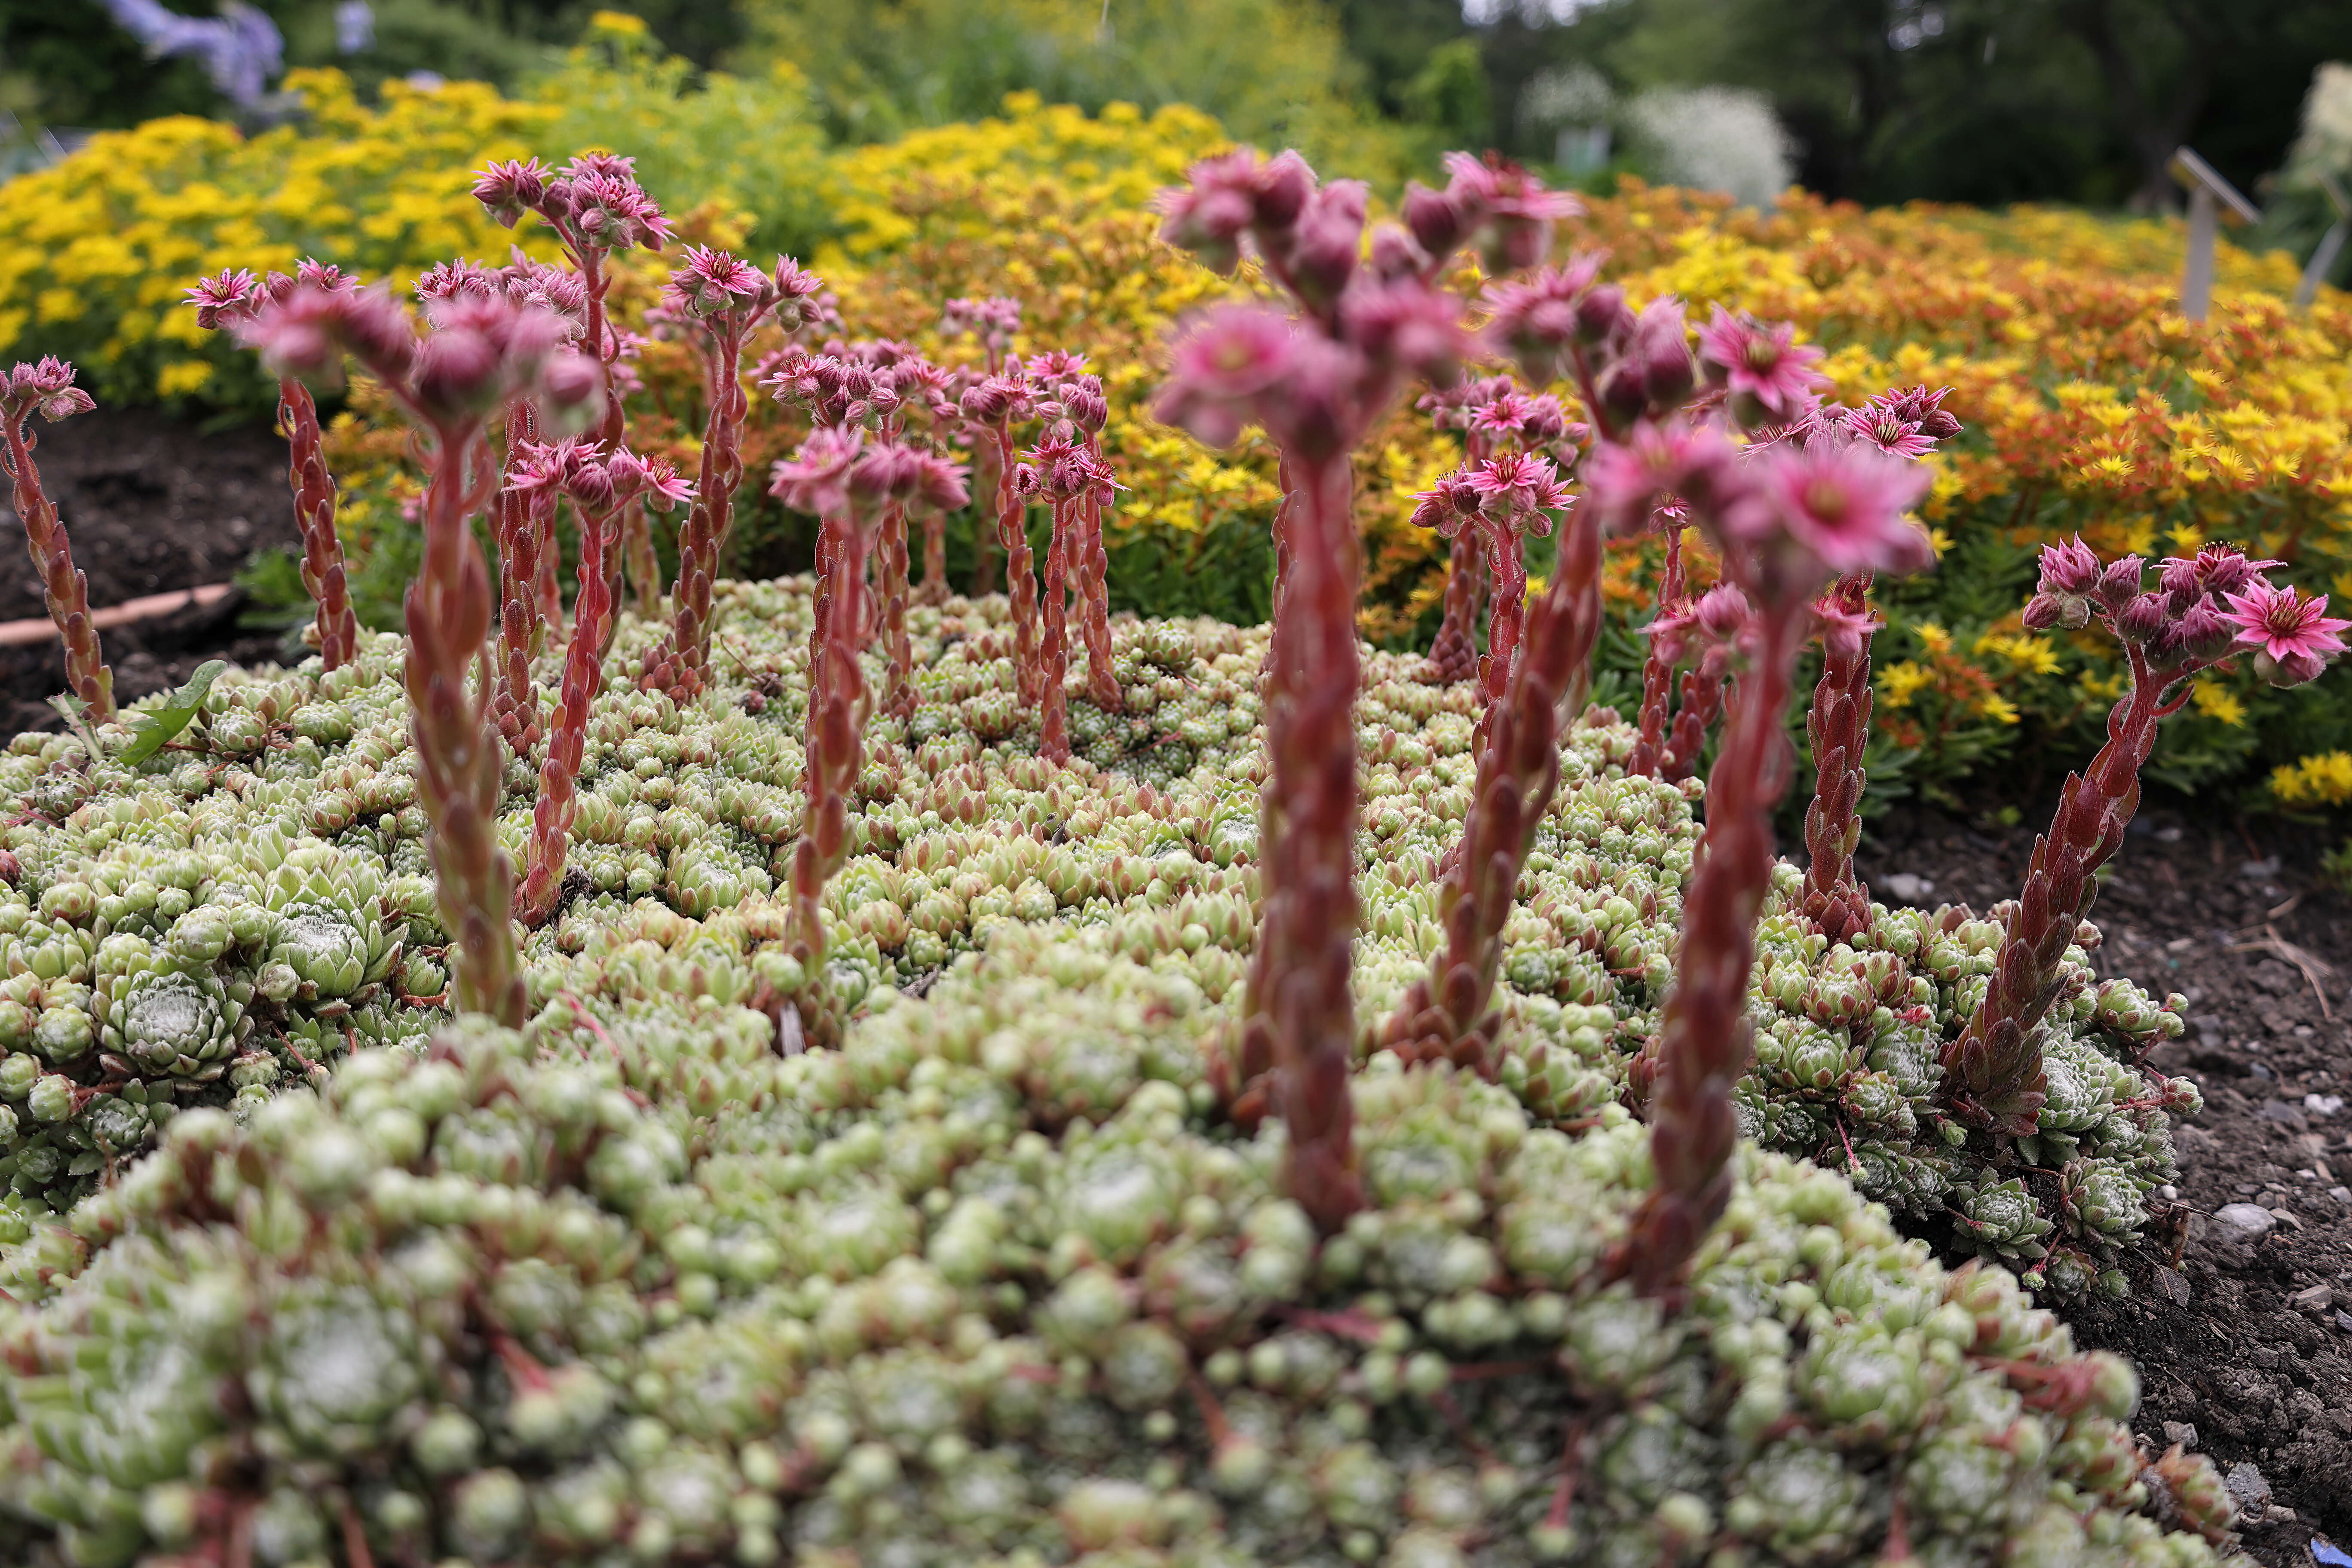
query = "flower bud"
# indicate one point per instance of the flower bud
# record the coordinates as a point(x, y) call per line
point(2120, 582)
point(569, 388)
point(1602, 313)
point(1283, 187)
point(1434, 218)
point(2142, 618)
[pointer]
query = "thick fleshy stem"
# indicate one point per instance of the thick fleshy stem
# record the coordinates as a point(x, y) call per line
point(1446, 1015)
point(1020, 573)
point(934, 589)
point(1839, 724)
point(583, 677)
point(644, 563)
point(461, 765)
point(825, 594)
point(1093, 569)
point(1054, 645)
point(682, 669)
point(314, 516)
point(63, 587)
point(987, 462)
point(550, 585)
point(1658, 669)
point(899, 696)
point(1993, 1071)
point(1506, 567)
point(1704, 1038)
point(1300, 1014)
point(1701, 702)
point(522, 633)
point(837, 701)
point(1453, 655)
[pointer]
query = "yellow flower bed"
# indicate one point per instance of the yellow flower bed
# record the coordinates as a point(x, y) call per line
point(101, 246)
point(2090, 405)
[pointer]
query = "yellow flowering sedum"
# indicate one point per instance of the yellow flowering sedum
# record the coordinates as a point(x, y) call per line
point(2323, 780)
point(103, 244)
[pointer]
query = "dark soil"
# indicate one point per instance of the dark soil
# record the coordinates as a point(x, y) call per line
point(2243, 1341)
point(150, 506)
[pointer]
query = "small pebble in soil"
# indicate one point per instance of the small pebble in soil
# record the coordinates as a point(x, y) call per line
point(1906, 888)
point(2245, 1222)
point(2259, 870)
point(2323, 1104)
point(2246, 1484)
point(2182, 1432)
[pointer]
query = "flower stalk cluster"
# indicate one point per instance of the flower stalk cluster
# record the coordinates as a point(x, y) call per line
point(481, 354)
point(725, 298)
point(234, 296)
point(48, 388)
point(852, 484)
point(995, 322)
point(2204, 609)
point(595, 206)
point(1315, 380)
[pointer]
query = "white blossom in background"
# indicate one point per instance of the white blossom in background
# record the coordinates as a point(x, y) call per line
point(1575, 104)
point(2325, 141)
point(1715, 139)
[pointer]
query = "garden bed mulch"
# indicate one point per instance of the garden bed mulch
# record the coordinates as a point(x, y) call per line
point(150, 506)
point(2243, 1339)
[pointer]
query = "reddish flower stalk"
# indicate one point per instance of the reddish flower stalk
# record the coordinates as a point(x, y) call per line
point(1449, 1012)
point(1784, 520)
point(1062, 472)
point(1839, 725)
point(996, 406)
point(1316, 383)
point(1658, 669)
point(726, 300)
point(1906, 424)
point(483, 353)
point(236, 296)
point(643, 563)
point(2205, 608)
point(1704, 1037)
point(602, 487)
point(525, 518)
point(988, 479)
point(49, 386)
point(852, 485)
point(899, 697)
point(1084, 411)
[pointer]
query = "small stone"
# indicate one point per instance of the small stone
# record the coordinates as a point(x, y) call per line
point(2323, 1104)
point(2286, 1115)
point(1903, 886)
point(2286, 1217)
point(2344, 1321)
point(2246, 1484)
point(2245, 1222)
point(2259, 870)
point(2175, 1286)
point(2317, 1299)
point(2182, 1432)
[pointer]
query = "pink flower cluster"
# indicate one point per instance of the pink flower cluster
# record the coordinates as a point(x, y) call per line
point(2203, 608)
